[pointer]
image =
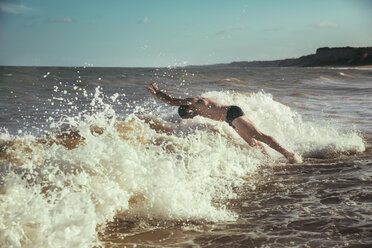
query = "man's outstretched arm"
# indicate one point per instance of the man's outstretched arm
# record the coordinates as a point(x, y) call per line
point(154, 89)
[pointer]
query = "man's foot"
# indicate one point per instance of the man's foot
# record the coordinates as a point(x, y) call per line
point(293, 159)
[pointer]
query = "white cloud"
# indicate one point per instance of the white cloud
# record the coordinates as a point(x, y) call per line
point(228, 30)
point(270, 29)
point(327, 24)
point(13, 8)
point(145, 20)
point(61, 20)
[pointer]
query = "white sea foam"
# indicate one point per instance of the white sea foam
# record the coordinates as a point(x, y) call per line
point(133, 171)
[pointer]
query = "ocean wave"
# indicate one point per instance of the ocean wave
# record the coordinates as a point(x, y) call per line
point(58, 188)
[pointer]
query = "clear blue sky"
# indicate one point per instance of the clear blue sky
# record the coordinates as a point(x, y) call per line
point(175, 32)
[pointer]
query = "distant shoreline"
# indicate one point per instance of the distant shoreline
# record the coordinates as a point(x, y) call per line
point(325, 56)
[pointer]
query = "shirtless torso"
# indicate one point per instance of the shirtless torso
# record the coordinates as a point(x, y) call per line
point(233, 115)
point(208, 108)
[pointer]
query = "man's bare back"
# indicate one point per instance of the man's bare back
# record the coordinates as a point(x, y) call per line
point(233, 115)
point(208, 108)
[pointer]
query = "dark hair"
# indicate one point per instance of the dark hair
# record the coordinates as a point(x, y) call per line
point(182, 111)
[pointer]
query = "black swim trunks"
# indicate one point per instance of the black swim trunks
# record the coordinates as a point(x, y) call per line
point(233, 112)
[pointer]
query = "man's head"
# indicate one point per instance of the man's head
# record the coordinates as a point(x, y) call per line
point(186, 112)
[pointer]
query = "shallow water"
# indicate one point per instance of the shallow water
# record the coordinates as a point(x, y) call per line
point(132, 173)
point(308, 205)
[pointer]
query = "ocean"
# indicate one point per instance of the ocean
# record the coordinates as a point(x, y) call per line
point(90, 159)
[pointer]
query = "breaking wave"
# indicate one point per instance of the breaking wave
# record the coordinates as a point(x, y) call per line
point(58, 189)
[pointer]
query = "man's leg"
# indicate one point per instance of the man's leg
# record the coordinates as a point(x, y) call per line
point(252, 142)
point(248, 131)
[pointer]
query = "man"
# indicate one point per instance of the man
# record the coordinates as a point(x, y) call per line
point(233, 115)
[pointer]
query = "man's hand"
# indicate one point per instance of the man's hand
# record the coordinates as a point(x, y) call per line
point(162, 95)
point(154, 89)
point(155, 86)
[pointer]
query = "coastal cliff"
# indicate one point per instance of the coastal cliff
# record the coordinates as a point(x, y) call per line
point(325, 56)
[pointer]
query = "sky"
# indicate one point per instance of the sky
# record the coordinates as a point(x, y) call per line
point(161, 33)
